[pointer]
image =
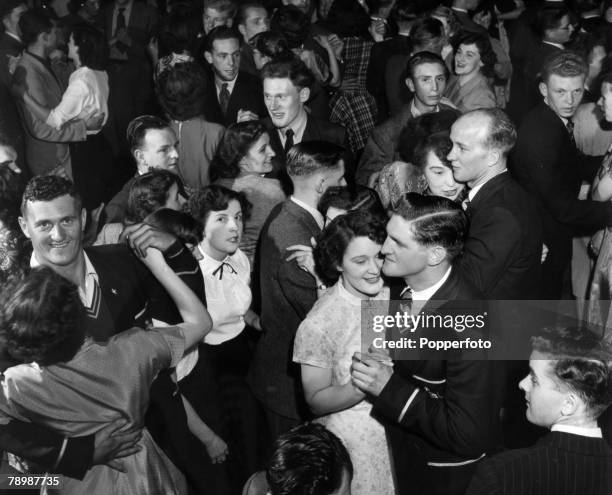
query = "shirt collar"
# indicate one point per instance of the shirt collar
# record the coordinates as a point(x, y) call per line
point(558, 45)
point(417, 113)
point(14, 36)
point(472, 192)
point(298, 126)
point(208, 264)
point(457, 9)
point(316, 214)
point(425, 295)
point(578, 430)
point(230, 84)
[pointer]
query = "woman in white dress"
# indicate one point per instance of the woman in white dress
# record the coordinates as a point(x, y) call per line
point(347, 253)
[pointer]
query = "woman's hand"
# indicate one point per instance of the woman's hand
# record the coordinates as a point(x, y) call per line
point(216, 448)
point(303, 256)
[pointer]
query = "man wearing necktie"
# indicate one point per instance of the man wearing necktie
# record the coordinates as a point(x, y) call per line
point(547, 164)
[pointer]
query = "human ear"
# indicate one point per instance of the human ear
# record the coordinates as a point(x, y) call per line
point(24, 227)
point(304, 94)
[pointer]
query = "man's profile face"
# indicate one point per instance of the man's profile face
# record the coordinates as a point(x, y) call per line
point(563, 94)
point(159, 150)
point(563, 32)
point(283, 100)
point(544, 396)
point(225, 58)
point(469, 155)
point(404, 256)
point(256, 21)
point(428, 83)
point(56, 230)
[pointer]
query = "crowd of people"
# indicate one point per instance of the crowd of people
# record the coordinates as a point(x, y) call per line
point(204, 205)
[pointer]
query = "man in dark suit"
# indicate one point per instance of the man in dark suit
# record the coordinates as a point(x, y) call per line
point(290, 292)
point(252, 18)
point(426, 77)
point(547, 164)
point(286, 89)
point(503, 249)
point(233, 95)
point(436, 404)
point(567, 389)
point(462, 9)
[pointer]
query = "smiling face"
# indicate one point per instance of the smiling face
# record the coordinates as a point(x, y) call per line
point(440, 178)
point(605, 102)
point(223, 231)
point(284, 100)
point(404, 256)
point(360, 269)
point(56, 230)
point(225, 58)
point(563, 94)
point(544, 396)
point(428, 84)
point(467, 60)
point(258, 159)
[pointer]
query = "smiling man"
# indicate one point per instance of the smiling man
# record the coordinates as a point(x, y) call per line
point(568, 387)
point(427, 77)
point(548, 165)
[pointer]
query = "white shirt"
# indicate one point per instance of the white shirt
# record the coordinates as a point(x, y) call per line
point(86, 293)
point(230, 86)
point(316, 214)
point(420, 297)
point(228, 295)
point(298, 127)
point(558, 45)
point(578, 430)
point(86, 95)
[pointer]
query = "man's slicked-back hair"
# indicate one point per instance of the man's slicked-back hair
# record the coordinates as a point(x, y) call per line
point(421, 58)
point(582, 362)
point(34, 22)
point(48, 188)
point(564, 64)
point(138, 127)
point(221, 33)
point(308, 460)
point(310, 157)
point(294, 70)
point(435, 221)
point(501, 134)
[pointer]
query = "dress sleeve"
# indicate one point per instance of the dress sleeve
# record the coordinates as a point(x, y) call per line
point(155, 349)
point(71, 105)
point(312, 344)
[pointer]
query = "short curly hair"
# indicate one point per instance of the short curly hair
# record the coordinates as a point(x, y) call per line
point(181, 91)
point(149, 192)
point(483, 45)
point(215, 198)
point(336, 237)
point(48, 188)
point(42, 318)
point(235, 144)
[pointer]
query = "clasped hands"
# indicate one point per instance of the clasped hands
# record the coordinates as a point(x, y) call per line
point(371, 372)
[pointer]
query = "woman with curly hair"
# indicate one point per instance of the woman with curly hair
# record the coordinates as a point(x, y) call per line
point(347, 255)
point(243, 157)
point(475, 60)
point(181, 90)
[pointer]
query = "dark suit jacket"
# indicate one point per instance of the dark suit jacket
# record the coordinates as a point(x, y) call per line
point(246, 95)
point(130, 295)
point(438, 410)
point(502, 253)
point(551, 169)
point(288, 294)
point(534, 61)
point(142, 24)
point(10, 123)
point(559, 464)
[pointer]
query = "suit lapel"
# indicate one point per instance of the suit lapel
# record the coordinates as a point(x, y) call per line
point(312, 131)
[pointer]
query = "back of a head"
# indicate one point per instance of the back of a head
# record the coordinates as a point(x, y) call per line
point(308, 460)
point(138, 127)
point(47, 188)
point(149, 192)
point(564, 64)
point(181, 90)
point(435, 221)
point(308, 158)
point(272, 44)
point(179, 30)
point(178, 223)
point(418, 129)
point(33, 23)
point(292, 23)
point(295, 70)
point(93, 48)
point(580, 361)
point(427, 34)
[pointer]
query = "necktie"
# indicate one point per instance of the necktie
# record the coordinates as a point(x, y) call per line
point(289, 140)
point(220, 268)
point(224, 97)
point(465, 204)
point(570, 128)
point(120, 23)
point(406, 297)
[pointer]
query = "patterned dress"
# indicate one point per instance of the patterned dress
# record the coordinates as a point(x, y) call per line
point(328, 338)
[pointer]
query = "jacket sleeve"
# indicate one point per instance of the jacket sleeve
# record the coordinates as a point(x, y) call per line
point(298, 287)
point(376, 154)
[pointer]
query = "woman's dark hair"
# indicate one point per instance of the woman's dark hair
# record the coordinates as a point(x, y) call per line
point(93, 48)
point(179, 30)
point(181, 90)
point(182, 225)
point(348, 19)
point(149, 192)
point(335, 238)
point(344, 198)
point(215, 198)
point(483, 45)
point(439, 143)
point(235, 144)
point(292, 23)
point(272, 44)
point(42, 318)
point(417, 130)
